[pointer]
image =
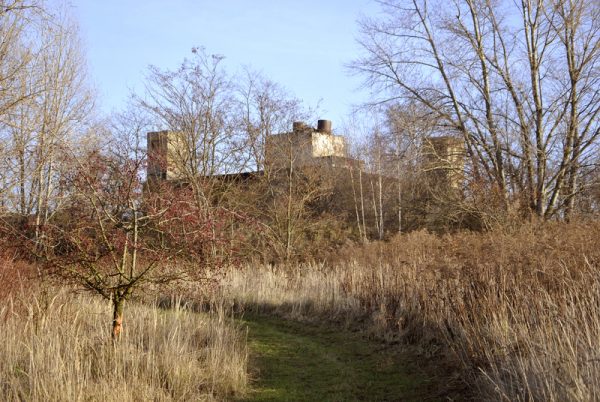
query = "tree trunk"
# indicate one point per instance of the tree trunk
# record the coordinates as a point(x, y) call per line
point(117, 325)
point(360, 229)
point(362, 205)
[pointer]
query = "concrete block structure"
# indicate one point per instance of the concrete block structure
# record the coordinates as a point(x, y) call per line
point(304, 146)
point(443, 157)
point(167, 155)
point(444, 161)
point(307, 146)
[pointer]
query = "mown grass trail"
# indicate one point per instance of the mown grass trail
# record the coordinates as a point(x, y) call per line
point(292, 361)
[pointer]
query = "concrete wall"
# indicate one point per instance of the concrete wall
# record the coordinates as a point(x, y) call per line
point(444, 160)
point(304, 148)
point(286, 148)
point(328, 145)
point(167, 155)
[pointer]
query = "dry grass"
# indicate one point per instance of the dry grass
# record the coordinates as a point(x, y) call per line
point(57, 348)
point(518, 314)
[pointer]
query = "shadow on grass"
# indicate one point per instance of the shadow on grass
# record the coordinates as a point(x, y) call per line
point(292, 361)
point(298, 354)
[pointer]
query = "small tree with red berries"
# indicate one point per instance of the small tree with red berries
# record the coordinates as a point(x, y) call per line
point(116, 235)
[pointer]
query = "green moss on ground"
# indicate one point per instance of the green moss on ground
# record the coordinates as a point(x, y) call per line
point(292, 361)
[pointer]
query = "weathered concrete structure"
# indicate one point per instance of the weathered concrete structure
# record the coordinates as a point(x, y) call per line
point(306, 146)
point(167, 155)
point(444, 161)
point(314, 158)
point(302, 147)
point(443, 157)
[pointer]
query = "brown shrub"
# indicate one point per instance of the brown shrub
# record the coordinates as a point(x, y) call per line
point(16, 277)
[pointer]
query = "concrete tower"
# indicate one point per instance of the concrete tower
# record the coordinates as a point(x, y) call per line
point(306, 146)
point(167, 155)
point(444, 161)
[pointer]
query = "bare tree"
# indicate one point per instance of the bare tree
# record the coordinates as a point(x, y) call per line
point(291, 186)
point(64, 108)
point(407, 125)
point(54, 106)
point(523, 96)
point(17, 19)
point(195, 102)
point(283, 189)
point(266, 108)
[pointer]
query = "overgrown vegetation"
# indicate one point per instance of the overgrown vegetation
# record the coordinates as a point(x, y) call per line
point(54, 349)
point(516, 313)
point(486, 119)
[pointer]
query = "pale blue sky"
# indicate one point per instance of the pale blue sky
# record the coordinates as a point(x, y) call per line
point(302, 45)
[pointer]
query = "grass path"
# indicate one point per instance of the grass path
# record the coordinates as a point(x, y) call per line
point(292, 361)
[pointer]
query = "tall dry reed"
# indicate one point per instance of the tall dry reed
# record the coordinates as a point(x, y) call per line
point(56, 347)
